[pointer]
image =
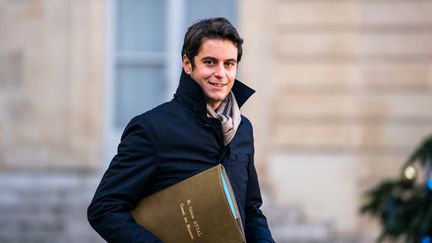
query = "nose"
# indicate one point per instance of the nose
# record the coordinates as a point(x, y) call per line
point(220, 71)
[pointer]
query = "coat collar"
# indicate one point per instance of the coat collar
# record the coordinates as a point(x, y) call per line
point(190, 91)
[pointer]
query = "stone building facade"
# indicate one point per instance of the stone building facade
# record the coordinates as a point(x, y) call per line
point(344, 95)
point(51, 82)
point(347, 90)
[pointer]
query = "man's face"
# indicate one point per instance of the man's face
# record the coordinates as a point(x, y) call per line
point(215, 69)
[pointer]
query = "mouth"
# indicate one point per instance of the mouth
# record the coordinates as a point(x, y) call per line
point(219, 85)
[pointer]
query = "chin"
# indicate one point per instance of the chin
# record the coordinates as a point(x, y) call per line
point(217, 98)
point(212, 100)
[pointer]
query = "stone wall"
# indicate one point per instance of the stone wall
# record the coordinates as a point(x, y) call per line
point(346, 95)
point(40, 207)
point(50, 118)
point(50, 84)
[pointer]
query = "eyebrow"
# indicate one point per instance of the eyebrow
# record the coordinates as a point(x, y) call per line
point(227, 60)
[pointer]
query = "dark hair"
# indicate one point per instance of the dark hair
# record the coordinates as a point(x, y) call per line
point(213, 28)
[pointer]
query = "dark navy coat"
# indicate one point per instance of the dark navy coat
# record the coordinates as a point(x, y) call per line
point(167, 145)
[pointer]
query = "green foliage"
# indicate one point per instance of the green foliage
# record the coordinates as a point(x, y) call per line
point(404, 206)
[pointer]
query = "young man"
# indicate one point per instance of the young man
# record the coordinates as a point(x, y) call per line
point(201, 127)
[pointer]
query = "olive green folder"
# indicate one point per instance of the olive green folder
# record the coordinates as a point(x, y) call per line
point(201, 208)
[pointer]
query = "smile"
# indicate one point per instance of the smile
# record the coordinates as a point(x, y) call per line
point(217, 84)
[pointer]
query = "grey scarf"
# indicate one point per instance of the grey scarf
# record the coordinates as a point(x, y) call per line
point(229, 115)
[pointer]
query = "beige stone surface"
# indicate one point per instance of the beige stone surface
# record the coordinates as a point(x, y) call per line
point(397, 77)
point(298, 13)
point(370, 107)
point(349, 136)
point(293, 44)
point(256, 70)
point(354, 13)
point(316, 77)
point(354, 44)
point(348, 95)
point(348, 77)
point(414, 14)
point(323, 185)
point(51, 107)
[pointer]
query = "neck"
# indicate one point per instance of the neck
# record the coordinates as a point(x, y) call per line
point(214, 106)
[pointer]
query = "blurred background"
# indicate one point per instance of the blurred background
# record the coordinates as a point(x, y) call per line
point(344, 95)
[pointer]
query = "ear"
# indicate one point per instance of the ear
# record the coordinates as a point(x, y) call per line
point(187, 65)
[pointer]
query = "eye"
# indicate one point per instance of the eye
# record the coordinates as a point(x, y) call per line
point(230, 64)
point(209, 62)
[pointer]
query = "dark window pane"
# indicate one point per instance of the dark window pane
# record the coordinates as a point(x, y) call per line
point(141, 25)
point(138, 89)
point(199, 9)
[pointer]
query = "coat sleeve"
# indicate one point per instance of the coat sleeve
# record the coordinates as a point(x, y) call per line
point(122, 186)
point(256, 227)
